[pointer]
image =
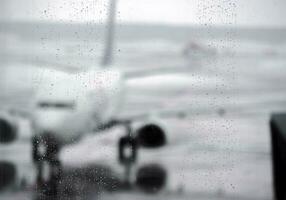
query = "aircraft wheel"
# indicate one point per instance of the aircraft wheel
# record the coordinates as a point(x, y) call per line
point(45, 157)
point(44, 148)
point(56, 170)
point(48, 177)
point(127, 150)
point(35, 150)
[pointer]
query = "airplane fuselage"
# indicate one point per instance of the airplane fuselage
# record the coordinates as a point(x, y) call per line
point(69, 105)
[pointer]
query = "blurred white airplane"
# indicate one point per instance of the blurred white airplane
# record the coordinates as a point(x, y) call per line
point(70, 103)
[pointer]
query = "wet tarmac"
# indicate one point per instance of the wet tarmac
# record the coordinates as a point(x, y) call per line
point(199, 163)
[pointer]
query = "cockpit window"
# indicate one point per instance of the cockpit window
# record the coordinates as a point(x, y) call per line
point(56, 105)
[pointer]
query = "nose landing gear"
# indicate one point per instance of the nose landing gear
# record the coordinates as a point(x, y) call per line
point(45, 157)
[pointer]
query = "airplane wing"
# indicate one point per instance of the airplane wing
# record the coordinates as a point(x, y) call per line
point(64, 66)
point(138, 73)
point(246, 109)
point(40, 62)
point(17, 103)
point(185, 95)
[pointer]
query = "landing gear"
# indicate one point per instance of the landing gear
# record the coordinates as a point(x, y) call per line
point(127, 147)
point(127, 150)
point(44, 148)
point(45, 157)
point(127, 153)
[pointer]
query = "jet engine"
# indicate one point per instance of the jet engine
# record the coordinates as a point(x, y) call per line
point(8, 129)
point(151, 135)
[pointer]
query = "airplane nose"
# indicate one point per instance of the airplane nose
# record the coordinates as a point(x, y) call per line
point(49, 121)
point(59, 123)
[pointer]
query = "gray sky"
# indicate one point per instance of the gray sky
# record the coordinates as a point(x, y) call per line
point(237, 12)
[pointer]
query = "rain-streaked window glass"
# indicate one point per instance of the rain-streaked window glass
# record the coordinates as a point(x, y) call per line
point(146, 99)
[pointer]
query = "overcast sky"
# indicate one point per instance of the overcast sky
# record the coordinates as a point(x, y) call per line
point(237, 12)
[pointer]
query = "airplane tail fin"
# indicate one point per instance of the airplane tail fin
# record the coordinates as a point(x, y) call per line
point(109, 40)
